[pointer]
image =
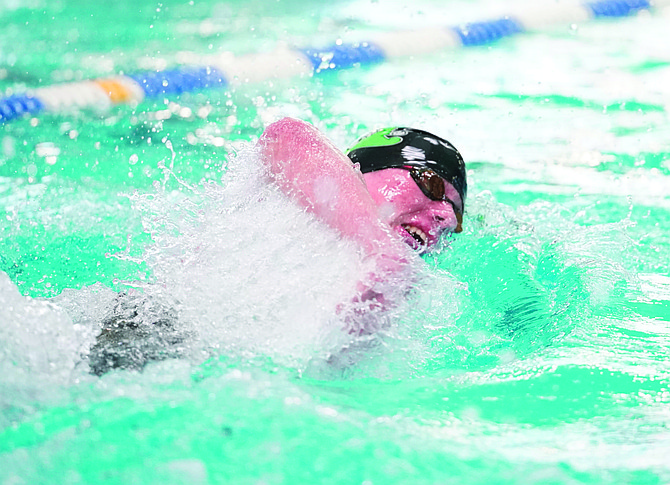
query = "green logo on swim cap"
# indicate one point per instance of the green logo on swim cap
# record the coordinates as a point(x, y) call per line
point(377, 139)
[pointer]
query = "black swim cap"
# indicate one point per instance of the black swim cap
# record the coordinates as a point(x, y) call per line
point(409, 148)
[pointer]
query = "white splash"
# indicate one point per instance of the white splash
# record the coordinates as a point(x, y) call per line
point(40, 347)
point(250, 270)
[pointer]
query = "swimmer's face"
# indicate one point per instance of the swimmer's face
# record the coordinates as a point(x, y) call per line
point(419, 220)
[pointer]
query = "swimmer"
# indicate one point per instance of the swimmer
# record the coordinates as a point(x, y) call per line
point(396, 185)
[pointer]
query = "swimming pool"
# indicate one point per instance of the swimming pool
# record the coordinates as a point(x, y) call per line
point(534, 349)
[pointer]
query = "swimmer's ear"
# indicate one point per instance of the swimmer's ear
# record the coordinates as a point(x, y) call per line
point(459, 219)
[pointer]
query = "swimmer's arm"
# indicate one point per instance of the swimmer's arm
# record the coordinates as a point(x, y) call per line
point(312, 171)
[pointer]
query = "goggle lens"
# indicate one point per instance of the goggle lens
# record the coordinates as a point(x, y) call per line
point(432, 185)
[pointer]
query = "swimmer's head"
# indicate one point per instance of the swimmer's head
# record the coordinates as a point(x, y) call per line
point(419, 152)
point(417, 180)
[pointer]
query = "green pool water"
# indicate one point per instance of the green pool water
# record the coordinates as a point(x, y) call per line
point(532, 350)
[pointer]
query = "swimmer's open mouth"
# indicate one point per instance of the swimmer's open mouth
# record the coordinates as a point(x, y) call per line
point(416, 233)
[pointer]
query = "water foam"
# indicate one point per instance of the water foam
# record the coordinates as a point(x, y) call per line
point(40, 348)
point(249, 271)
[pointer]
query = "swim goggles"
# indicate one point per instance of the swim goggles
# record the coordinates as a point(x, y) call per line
point(432, 186)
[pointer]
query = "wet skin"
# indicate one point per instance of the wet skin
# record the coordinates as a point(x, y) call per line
point(373, 209)
point(418, 220)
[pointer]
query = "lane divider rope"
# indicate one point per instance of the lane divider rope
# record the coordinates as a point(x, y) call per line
point(226, 69)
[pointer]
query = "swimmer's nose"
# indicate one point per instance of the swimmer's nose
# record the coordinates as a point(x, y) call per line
point(449, 220)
